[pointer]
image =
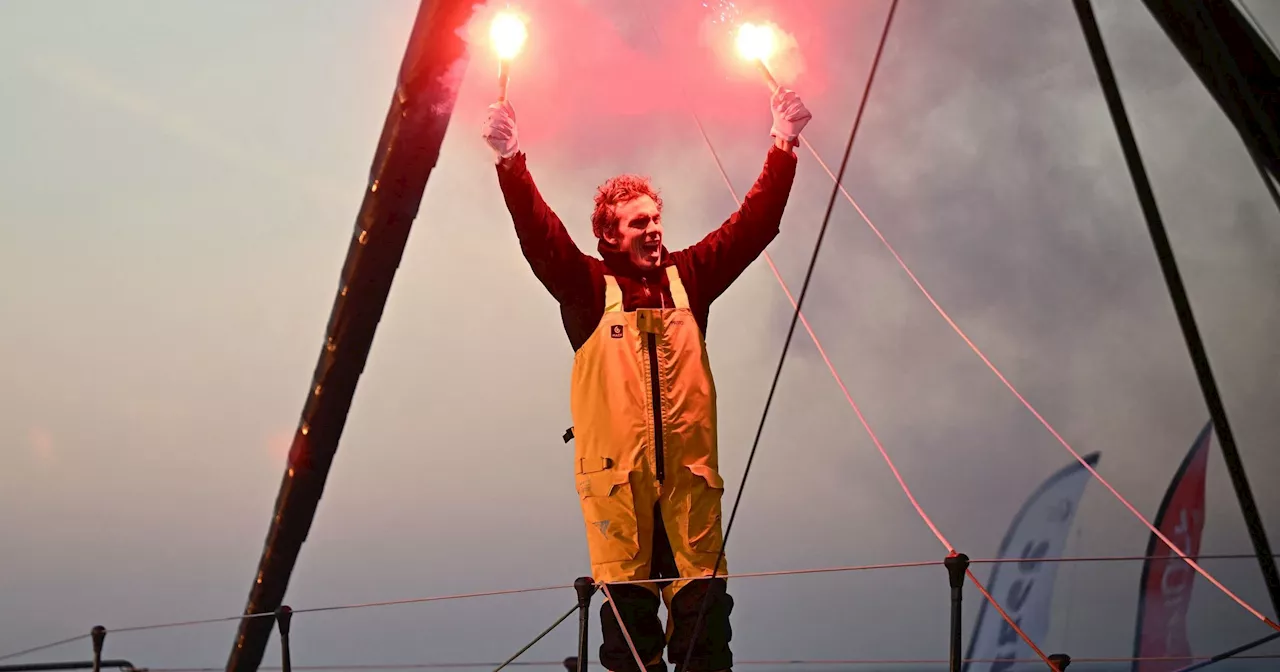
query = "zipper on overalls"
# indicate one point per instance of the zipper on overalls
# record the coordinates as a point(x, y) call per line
point(660, 462)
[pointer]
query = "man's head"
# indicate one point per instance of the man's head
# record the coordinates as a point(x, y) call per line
point(628, 218)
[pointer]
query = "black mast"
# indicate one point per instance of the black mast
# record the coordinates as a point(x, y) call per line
point(407, 151)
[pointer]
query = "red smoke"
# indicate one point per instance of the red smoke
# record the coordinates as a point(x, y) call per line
point(594, 79)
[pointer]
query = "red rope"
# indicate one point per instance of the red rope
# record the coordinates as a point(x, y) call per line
point(852, 404)
point(831, 367)
point(622, 626)
point(955, 327)
point(1012, 623)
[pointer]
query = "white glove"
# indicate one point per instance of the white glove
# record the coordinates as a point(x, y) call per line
point(789, 115)
point(500, 130)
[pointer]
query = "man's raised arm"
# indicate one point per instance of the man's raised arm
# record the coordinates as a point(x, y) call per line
point(720, 257)
point(554, 257)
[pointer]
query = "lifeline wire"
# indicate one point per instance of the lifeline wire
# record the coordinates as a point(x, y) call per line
point(537, 639)
point(817, 343)
point(927, 563)
point(1233, 653)
point(777, 374)
point(744, 575)
point(268, 614)
point(42, 647)
point(792, 572)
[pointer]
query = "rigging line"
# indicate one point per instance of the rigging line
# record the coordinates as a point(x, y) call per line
point(438, 598)
point(268, 614)
point(537, 639)
point(1007, 619)
point(821, 350)
point(784, 572)
point(42, 647)
point(1012, 389)
point(1234, 653)
point(622, 625)
point(362, 605)
point(1117, 558)
point(743, 575)
point(1267, 180)
point(201, 621)
point(928, 563)
point(972, 346)
point(1182, 307)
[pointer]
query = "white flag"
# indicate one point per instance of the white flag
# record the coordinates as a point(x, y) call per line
point(1025, 588)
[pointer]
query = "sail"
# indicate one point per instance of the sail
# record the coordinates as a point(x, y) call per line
point(1166, 579)
point(1025, 589)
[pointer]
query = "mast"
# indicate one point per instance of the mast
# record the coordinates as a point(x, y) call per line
point(407, 151)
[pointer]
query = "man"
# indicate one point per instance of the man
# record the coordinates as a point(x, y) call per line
point(642, 397)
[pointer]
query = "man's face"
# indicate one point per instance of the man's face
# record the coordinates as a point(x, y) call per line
point(639, 232)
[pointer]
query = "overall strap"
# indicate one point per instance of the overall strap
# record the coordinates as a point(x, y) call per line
point(677, 288)
point(612, 295)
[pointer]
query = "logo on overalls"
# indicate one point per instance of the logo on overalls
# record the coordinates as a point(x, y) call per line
point(616, 331)
point(603, 526)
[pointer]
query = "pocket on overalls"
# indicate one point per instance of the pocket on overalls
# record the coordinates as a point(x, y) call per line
point(702, 525)
point(608, 508)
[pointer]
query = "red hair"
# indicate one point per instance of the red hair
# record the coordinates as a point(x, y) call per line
point(617, 190)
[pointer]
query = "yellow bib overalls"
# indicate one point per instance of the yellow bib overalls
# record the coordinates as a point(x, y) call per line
point(644, 415)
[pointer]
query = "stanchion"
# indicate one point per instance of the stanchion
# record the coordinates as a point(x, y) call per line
point(1059, 661)
point(585, 586)
point(284, 615)
point(957, 564)
point(99, 635)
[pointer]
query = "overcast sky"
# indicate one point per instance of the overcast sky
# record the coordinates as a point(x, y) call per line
point(178, 183)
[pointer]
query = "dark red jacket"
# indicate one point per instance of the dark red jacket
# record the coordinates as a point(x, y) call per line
point(706, 268)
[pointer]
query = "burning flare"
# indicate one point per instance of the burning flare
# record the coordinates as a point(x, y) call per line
point(756, 43)
point(507, 33)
